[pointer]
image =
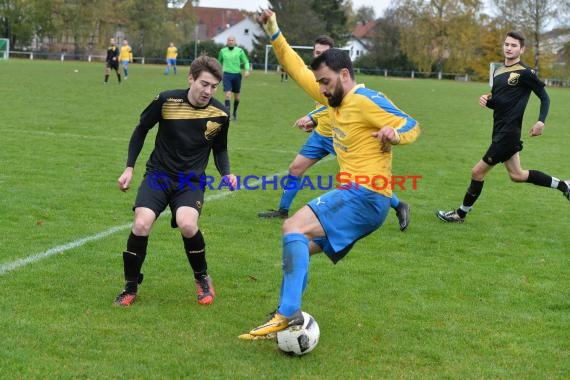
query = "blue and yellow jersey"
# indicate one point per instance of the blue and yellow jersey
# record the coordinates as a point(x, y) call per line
point(171, 52)
point(126, 53)
point(320, 116)
point(362, 112)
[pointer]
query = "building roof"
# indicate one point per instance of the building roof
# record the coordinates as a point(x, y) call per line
point(212, 21)
point(365, 31)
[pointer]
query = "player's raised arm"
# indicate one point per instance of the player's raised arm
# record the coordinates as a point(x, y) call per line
point(292, 63)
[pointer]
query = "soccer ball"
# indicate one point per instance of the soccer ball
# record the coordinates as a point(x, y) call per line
point(300, 340)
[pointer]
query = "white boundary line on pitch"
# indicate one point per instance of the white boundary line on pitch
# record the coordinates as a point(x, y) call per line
point(10, 266)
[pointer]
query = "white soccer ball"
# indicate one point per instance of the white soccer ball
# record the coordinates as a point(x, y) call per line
point(300, 340)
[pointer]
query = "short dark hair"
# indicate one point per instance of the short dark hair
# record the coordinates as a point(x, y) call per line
point(206, 63)
point(517, 36)
point(324, 40)
point(335, 59)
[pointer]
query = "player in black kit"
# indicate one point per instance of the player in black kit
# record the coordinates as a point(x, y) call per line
point(512, 84)
point(112, 60)
point(191, 124)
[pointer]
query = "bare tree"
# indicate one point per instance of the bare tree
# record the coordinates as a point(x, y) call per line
point(533, 17)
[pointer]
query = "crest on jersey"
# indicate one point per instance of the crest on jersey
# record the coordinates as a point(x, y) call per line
point(513, 79)
point(212, 129)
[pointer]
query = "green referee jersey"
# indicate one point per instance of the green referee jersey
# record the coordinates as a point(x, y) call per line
point(232, 59)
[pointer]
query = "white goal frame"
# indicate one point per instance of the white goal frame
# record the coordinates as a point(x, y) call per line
point(269, 47)
point(492, 67)
point(6, 53)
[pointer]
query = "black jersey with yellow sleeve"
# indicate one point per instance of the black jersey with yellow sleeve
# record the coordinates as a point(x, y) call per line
point(186, 135)
point(112, 54)
point(509, 97)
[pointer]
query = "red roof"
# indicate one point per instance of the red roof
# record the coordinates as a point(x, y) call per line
point(364, 31)
point(213, 21)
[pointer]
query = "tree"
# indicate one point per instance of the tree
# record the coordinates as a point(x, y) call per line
point(365, 14)
point(438, 34)
point(532, 17)
point(333, 13)
point(385, 51)
point(15, 23)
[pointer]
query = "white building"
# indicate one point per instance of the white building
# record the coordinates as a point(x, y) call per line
point(244, 32)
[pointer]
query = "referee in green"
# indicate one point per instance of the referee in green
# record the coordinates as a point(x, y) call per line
point(232, 57)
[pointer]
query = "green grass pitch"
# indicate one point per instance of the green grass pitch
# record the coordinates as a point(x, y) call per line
point(486, 299)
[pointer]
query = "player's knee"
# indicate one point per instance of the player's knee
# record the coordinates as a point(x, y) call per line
point(517, 177)
point(290, 226)
point(296, 170)
point(477, 174)
point(187, 227)
point(141, 227)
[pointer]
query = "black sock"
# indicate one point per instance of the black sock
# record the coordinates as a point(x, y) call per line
point(196, 253)
point(227, 104)
point(133, 259)
point(562, 186)
point(236, 104)
point(106, 77)
point(539, 178)
point(473, 192)
point(119, 77)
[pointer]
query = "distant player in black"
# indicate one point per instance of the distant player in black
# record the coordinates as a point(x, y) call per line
point(191, 124)
point(512, 84)
point(112, 60)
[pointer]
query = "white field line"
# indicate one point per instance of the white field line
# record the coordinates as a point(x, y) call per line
point(10, 266)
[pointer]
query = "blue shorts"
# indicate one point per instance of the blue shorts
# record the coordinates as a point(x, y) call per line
point(171, 61)
point(232, 82)
point(347, 216)
point(125, 62)
point(317, 146)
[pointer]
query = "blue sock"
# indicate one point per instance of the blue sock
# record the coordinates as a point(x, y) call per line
point(288, 195)
point(295, 270)
point(126, 73)
point(395, 201)
point(305, 280)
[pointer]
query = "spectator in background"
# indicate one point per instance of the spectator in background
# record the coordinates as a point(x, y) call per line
point(171, 55)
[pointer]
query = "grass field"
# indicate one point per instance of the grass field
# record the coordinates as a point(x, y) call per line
point(488, 299)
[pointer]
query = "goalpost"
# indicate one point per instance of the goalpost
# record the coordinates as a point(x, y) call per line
point(492, 67)
point(4, 48)
point(269, 47)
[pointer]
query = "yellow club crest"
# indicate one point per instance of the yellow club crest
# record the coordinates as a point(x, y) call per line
point(212, 129)
point(513, 79)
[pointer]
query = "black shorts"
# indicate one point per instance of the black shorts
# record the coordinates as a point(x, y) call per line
point(158, 191)
point(113, 65)
point(502, 150)
point(232, 82)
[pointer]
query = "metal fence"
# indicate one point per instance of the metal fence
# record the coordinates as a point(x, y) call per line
point(260, 66)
